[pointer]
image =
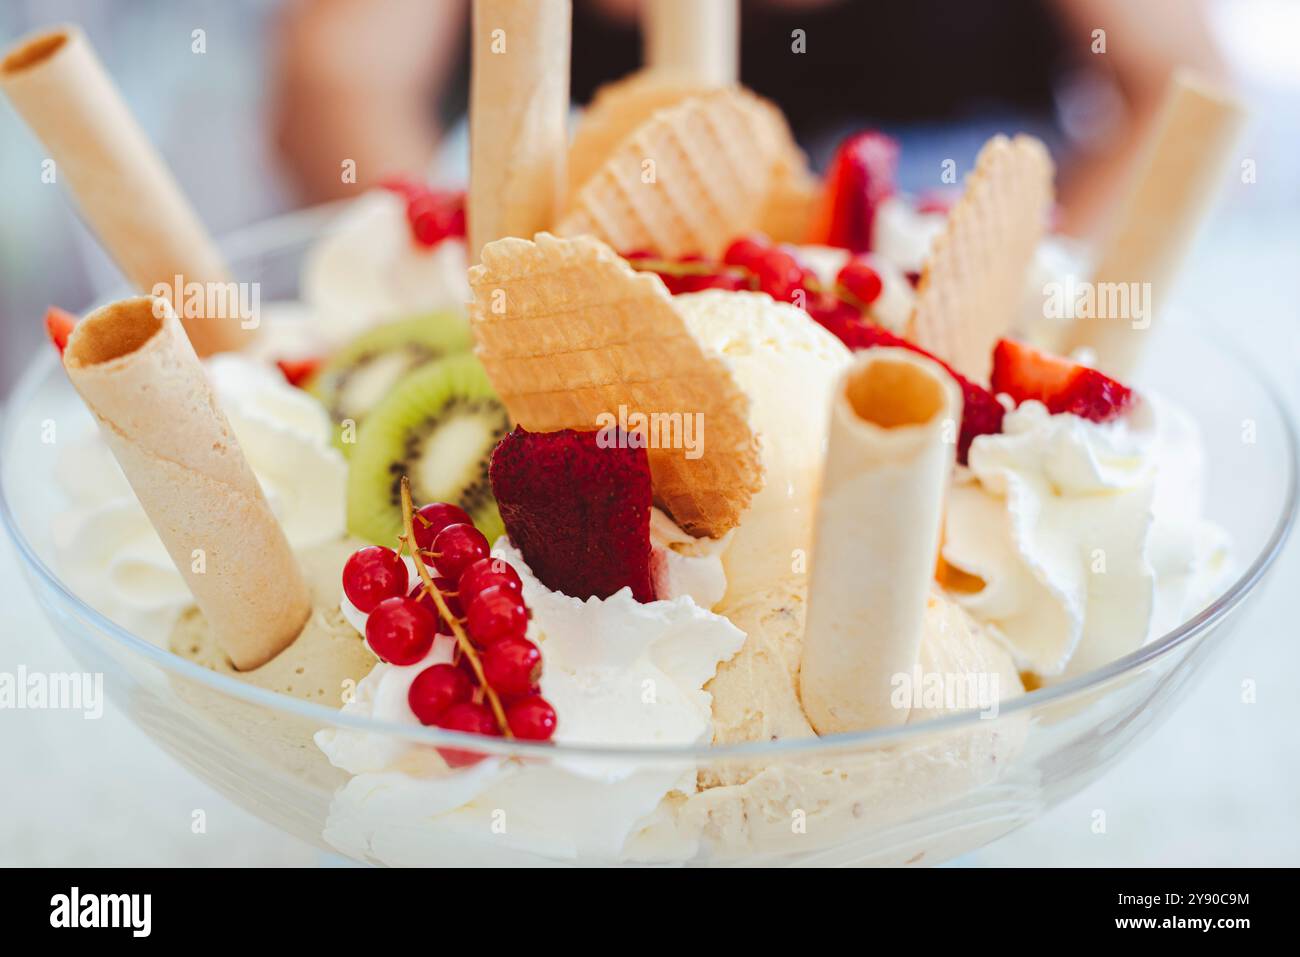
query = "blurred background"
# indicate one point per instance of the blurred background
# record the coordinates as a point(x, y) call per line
point(252, 102)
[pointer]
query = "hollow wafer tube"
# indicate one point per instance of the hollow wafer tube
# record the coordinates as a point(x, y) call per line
point(519, 103)
point(696, 38)
point(889, 456)
point(120, 183)
point(1171, 194)
point(139, 375)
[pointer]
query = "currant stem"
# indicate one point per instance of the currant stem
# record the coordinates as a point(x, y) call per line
point(462, 639)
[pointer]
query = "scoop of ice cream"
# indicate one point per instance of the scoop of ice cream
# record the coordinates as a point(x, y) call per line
point(835, 796)
point(111, 555)
point(1077, 541)
point(787, 365)
point(323, 665)
point(368, 269)
point(617, 671)
point(326, 661)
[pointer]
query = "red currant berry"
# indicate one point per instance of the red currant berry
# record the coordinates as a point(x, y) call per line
point(454, 603)
point(421, 595)
point(432, 519)
point(779, 275)
point(400, 631)
point(472, 719)
point(531, 718)
point(436, 689)
point(496, 612)
point(512, 666)
point(487, 572)
point(457, 547)
point(860, 281)
point(373, 574)
point(747, 252)
point(432, 217)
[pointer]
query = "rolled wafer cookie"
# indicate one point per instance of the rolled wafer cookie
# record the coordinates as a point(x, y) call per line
point(120, 183)
point(889, 456)
point(139, 376)
point(570, 335)
point(974, 278)
point(519, 107)
point(690, 179)
point(698, 38)
point(1175, 185)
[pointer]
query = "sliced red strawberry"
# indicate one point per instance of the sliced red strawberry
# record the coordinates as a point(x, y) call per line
point(860, 178)
point(578, 507)
point(981, 411)
point(298, 371)
point(1023, 372)
point(58, 325)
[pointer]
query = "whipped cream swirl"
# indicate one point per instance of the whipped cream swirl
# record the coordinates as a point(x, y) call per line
point(1079, 541)
point(368, 269)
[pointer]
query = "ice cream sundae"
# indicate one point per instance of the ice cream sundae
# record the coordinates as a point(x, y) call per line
point(681, 447)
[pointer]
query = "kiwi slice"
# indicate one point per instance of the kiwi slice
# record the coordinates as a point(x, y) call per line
point(438, 426)
point(362, 373)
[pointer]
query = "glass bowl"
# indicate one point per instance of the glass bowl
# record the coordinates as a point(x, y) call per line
point(921, 793)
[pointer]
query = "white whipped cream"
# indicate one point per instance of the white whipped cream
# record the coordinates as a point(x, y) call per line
point(617, 672)
point(1059, 264)
point(903, 235)
point(108, 550)
point(684, 565)
point(368, 269)
point(1088, 537)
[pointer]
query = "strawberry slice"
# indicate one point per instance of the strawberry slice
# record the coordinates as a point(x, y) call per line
point(1024, 372)
point(58, 325)
point(860, 178)
point(579, 512)
point(298, 371)
point(981, 411)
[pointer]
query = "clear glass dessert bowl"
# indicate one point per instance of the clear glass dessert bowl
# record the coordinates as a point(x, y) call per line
point(920, 793)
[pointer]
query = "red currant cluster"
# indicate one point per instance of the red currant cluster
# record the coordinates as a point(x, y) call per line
point(434, 215)
point(756, 264)
point(491, 687)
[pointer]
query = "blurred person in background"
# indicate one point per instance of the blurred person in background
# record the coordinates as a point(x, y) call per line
point(943, 74)
point(254, 103)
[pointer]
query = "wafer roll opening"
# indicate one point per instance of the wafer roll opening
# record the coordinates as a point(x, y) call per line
point(892, 394)
point(113, 332)
point(34, 52)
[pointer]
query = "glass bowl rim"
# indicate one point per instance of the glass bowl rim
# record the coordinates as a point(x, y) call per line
point(278, 232)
